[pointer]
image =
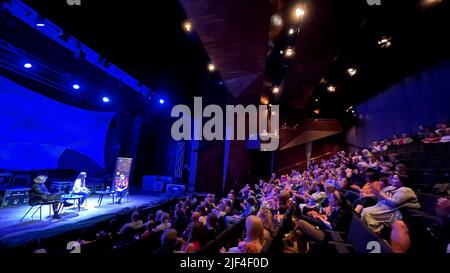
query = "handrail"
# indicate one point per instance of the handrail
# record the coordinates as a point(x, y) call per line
point(305, 161)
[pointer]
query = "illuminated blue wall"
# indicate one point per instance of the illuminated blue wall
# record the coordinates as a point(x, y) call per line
point(37, 132)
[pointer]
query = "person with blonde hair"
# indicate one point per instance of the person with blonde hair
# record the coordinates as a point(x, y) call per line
point(254, 237)
point(266, 217)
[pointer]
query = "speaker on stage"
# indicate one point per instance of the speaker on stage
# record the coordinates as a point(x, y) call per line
point(175, 190)
point(155, 183)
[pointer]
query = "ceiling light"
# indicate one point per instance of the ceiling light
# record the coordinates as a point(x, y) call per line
point(187, 26)
point(331, 88)
point(211, 67)
point(352, 71)
point(385, 41)
point(299, 12)
point(276, 20)
point(289, 52)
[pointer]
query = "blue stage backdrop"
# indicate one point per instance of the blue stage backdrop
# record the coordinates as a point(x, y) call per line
point(40, 133)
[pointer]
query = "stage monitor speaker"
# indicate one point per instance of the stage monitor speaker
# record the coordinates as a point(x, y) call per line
point(175, 189)
point(5, 179)
point(155, 183)
point(21, 180)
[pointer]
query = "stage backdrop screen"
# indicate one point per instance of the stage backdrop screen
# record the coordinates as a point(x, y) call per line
point(36, 130)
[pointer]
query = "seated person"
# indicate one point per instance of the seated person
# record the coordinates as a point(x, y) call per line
point(249, 208)
point(338, 218)
point(254, 237)
point(391, 200)
point(79, 187)
point(367, 197)
point(432, 138)
point(136, 223)
point(446, 137)
point(39, 194)
point(121, 187)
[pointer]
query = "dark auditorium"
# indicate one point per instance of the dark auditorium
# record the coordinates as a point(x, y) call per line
point(238, 130)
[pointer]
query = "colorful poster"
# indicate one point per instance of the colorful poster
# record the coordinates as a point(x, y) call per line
point(122, 172)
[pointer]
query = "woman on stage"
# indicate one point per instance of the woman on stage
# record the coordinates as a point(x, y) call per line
point(121, 187)
point(79, 187)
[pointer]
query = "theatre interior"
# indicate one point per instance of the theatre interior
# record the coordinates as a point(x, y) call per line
point(355, 95)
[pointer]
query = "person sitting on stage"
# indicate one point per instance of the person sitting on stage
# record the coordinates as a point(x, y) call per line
point(79, 187)
point(39, 194)
point(121, 187)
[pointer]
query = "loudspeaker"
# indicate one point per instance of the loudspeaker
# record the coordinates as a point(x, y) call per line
point(175, 189)
point(155, 183)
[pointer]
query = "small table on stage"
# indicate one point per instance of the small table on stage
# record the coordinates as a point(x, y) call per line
point(103, 193)
point(72, 196)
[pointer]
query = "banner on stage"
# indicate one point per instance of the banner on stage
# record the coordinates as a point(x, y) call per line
point(123, 168)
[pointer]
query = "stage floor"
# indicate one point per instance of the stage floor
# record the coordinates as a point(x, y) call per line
point(13, 232)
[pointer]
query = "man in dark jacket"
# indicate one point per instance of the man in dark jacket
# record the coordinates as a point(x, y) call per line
point(39, 194)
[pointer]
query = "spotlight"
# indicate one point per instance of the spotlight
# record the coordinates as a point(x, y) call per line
point(352, 71)
point(289, 52)
point(281, 52)
point(161, 101)
point(76, 86)
point(291, 31)
point(28, 65)
point(299, 12)
point(353, 111)
point(211, 67)
point(316, 100)
point(317, 111)
point(276, 90)
point(331, 88)
point(40, 24)
point(187, 25)
point(385, 41)
point(105, 99)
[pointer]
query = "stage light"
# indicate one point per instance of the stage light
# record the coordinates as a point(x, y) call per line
point(28, 65)
point(352, 71)
point(316, 100)
point(289, 52)
point(281, 52)
point(76, 86)
point(276, 90)
point(161, 101)
point(105, 99)
point(317, 111)
point(331, 88)
point(40, 24)
point(291, 31)
point(385, 41)
point(187, 25)
point(211, 67)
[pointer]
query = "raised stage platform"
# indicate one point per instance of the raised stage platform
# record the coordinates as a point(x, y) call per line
point(13, 232)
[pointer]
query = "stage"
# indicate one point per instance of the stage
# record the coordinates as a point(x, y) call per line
point(13, 232)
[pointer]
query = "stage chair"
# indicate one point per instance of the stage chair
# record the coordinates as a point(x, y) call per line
point(39, 205)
